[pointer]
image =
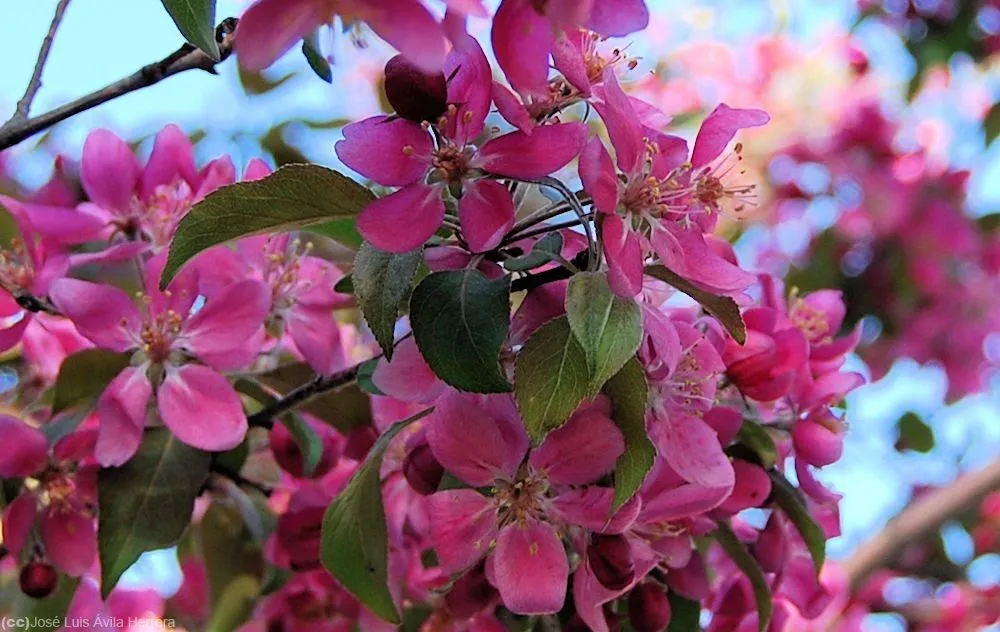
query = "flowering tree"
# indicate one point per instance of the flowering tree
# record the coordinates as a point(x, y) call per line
point(545, 393)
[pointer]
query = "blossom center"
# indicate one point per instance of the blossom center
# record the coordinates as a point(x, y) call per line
point(520, 501)
point(16, 269)
point(158, 333)
point(450, 163)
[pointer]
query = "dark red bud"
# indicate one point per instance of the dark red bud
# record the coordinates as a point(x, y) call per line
point(610, 558)
point(359, 442)
point(38, 580)
point(470, 594)
point(771, 546)
point(422, 470)
point(648, 608)
point(414, 94)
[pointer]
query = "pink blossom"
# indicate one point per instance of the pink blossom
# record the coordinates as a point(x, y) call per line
point(402, 153)
point(194, 400)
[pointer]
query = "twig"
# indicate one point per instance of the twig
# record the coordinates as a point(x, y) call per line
point(920, 518)
point(574, 203)
point(21, 113)
point(541, 230)
point(531, 281)
point(185, 58)
point(264, 418)
point(32, 303)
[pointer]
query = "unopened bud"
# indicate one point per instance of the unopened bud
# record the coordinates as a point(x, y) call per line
point(610, 558)
point(422, 470)
point(648, 608)
point(359, 442)
point(470, 594)
point(38, 580)
point(414, 94)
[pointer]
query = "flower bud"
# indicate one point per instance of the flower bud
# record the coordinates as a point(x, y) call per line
point(752, 487)
point(648, 608)
point(691, 582)
point(816, 444)
point(422, 470)
point(414, 94)
point(359, 442)
point(771, 546)
point(38, 580)
point(289, 457)
point(470, 594)
point(610, 558)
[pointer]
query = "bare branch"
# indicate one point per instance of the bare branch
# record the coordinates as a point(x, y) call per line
point(21, 113)
point(185, 58)
point(920, 518)
point(264, 418)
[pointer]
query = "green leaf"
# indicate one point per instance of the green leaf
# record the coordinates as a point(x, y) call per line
point(914, 434)
point(723, 308)
point(788, 498)
point(550, 378)
point(545, 250)
point(382, 282)
point(146, 504)
point(355, 544)
point(84, 375)
point(195, 19)
point(627, 391)
point(608, 327)
point(291, 198)
point(460, 320)
point(365, 372)
point(344, 231)
point(229, 547)
point(316, 60)
point(344, 408)
point(307, 440)
point(755, 436)
point(235, 604)
point(738, 552)
point(685, 614)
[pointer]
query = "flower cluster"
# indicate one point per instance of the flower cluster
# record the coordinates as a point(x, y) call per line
point(589, 402)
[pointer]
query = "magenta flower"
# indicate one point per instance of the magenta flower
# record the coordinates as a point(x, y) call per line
point(63, 503)
point(536, 495)
point(406, 24)
point(195, 402)
point(427, 160)
point(147, 201)
point(659, 201)
point(525, 33)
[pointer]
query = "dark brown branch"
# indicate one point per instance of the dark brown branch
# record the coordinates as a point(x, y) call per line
point(21, 113)
point(920, 518)
point(183, 59)
point(264, 418)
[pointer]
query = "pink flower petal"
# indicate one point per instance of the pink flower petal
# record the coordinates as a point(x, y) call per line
point(624, 254)
point(522, 39)
point(404, 220)
point(109, 170)
point(589, 507)
point(18, 519)
point(102, 313)
point(692, 448)
point(486, 212)
point(470, 89)
point(392, 152)
point(462, 527)
point(498, 450)
point(407, 377)
point(70, 540)
point(568, 59)
point(122, 411)
point(13, 334)
point(622, 123)
point(411, 28)
point(317, 337)
point(172, 160)
point(530, 569)
point(511, 109)
point(201, 408)
point(597, 173)
point(618, 18)
point(719, 128)
point(548, 149)
point(581, 451)
point(227, 320)
point(63, 225)
point(26, 448)
point(269, 28)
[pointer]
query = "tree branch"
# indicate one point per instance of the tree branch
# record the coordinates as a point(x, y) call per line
point(264, 418)
point(920, 518)
point(21, 113)
point(185, 58)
